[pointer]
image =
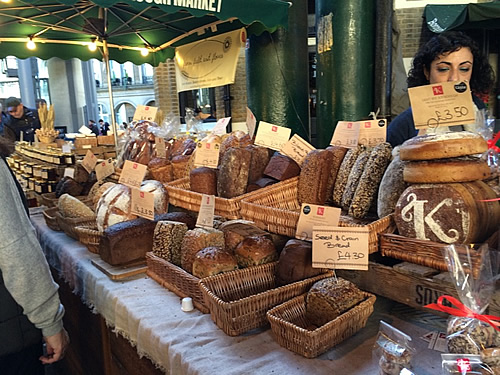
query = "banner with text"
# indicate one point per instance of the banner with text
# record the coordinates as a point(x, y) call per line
point(210, 62)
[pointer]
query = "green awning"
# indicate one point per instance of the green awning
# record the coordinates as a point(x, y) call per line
point(63, 28)
point(440, 18)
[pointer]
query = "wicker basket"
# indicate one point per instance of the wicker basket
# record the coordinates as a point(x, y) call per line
point(50, 218)
point(238, 300)
point(289, 326)
point(69, 224)
point(47, 199)
point(89, 236)
point(180, 195)
point(277, 210)
point(176, 280)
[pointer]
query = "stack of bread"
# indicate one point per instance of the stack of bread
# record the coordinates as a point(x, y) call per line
point(447, 200)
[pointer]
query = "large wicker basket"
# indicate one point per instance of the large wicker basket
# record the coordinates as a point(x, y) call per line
point(238, 300)
point(51, 218)
point(180, 195)
point(89, 236)
point(176, 280)
point(69, 224)
point(289, 326)
point(277, 210)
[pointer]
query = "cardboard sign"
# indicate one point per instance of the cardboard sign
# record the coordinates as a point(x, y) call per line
point(220, 126)
point(346, 134)
point(132, 174)
point(161, 150)
point(69, 172)
point(145, 113)
point(143, 204)
point(206, 214)
point(251, 122)
point(312, 215)
point(272, 136)
point(89, 161)
point(104, 169)
point(85, 130)
point(207, 154)
point(340, 248)
point(372, 132)
point(297, 148)
point(442, 104)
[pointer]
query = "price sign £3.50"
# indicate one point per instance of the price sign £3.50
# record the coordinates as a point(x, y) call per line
point(442, 104)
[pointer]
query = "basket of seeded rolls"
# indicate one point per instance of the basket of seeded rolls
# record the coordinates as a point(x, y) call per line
point(336, 176)
point(331, 311)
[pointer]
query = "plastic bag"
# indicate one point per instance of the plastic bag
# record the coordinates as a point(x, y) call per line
point(393, 349)
point(464, 364)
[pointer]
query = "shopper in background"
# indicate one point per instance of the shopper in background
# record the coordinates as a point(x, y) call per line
point(104, 127)
point(29, 303)
point(20, 119)
point(449, 56)
point(3, 119)
point(94, 127)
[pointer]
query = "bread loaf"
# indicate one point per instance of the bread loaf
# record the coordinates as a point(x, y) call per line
point(329, 298)
point(314, 175)
point(232, 179)
point(345, 169)
point(98, 190)
point(167, 240)
point(295, 262)
point(212, 261)
point(258, 162)
point(261, 183)
point(160, 194)
point(236, 139)
point(281, 167)
point(71, 207)
point(392, 186)
point(255, 250)
point(235, 231)
point(161, 170)
point(459, 169)
point(196, 240)
point(67, 185)
point(366, 191)
point(127, 241)
point(338, 154)
point(203, 180)
point(181, 217)
point(446, 145)
point(180, 167)
point(353, 179)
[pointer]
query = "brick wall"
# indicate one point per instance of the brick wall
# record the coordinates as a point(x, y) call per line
point(165, 87)
point(413, 29)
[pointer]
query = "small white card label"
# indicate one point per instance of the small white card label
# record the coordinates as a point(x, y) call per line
point(272, 136)
point(207, 155)
point(206, 214)
point(89, 161)
point(132, 174)
point(346, 134)
point(161, 150)
point(340, 248)
point(143, 204)
point(313, 215)
point(251, 122)
point(297, 148)
point(104, 169)
point(66, 148)
point(69, 172)
point(145, 113)
point(372, 132)
point(220, 126)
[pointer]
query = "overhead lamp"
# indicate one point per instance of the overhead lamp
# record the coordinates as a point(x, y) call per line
point(92, 46)
point(144, 52)
point(5, 1)
point(31, 44)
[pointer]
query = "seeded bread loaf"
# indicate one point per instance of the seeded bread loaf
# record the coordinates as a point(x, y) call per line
point(314, 175)
point(72, 207)
point(232, 179)
point(329, 298)
point(167, 240)
point(343, 174)
point(353, 179)
point(338, 153)
point(196, 240)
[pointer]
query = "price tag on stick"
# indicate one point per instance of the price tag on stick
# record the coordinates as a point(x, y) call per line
point(206, 214)
point(442, 104)
point(143, 204)
point(89, 161)
point(161, 150)
point(220, 126)
point(272, 136)
point(340, 248)
point(372, 132)
point(297, 148)
point(207, 154)
point(312, 215)
point(251, 122)
point(104, 169)
point(346, 134)
point(145, 113)
point(132, 174)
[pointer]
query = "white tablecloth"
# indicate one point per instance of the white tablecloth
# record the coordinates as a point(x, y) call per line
point(150, 317)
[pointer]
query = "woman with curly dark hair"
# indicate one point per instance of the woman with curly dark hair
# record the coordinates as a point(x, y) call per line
point(450, 56)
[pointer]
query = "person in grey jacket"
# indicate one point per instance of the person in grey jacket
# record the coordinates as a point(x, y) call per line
point(29, 302)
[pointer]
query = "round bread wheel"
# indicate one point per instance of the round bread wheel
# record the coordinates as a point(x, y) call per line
point(446, 170)
point(439, 146)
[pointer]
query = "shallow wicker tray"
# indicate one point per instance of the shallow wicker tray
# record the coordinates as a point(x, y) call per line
point(50, 218)
point(69, 224)
point(180, 196)
point(89, 236)
point(277, 210)
point(288, 324)
point(238, 300)
point(176, 280)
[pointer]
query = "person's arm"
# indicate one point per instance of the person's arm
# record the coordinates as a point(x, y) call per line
point(25, 271)
point(401, 128)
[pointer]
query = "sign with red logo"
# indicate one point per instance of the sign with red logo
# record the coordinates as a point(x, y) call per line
point(132, 174)
point(437, 90)
point(321, 211)
point(368, 124)
point(463, 365)
point(313, 215)
point(274, 129)
point(272, 136)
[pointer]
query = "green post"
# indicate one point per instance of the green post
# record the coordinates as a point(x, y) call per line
point(277, 74)
point(345, 58)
